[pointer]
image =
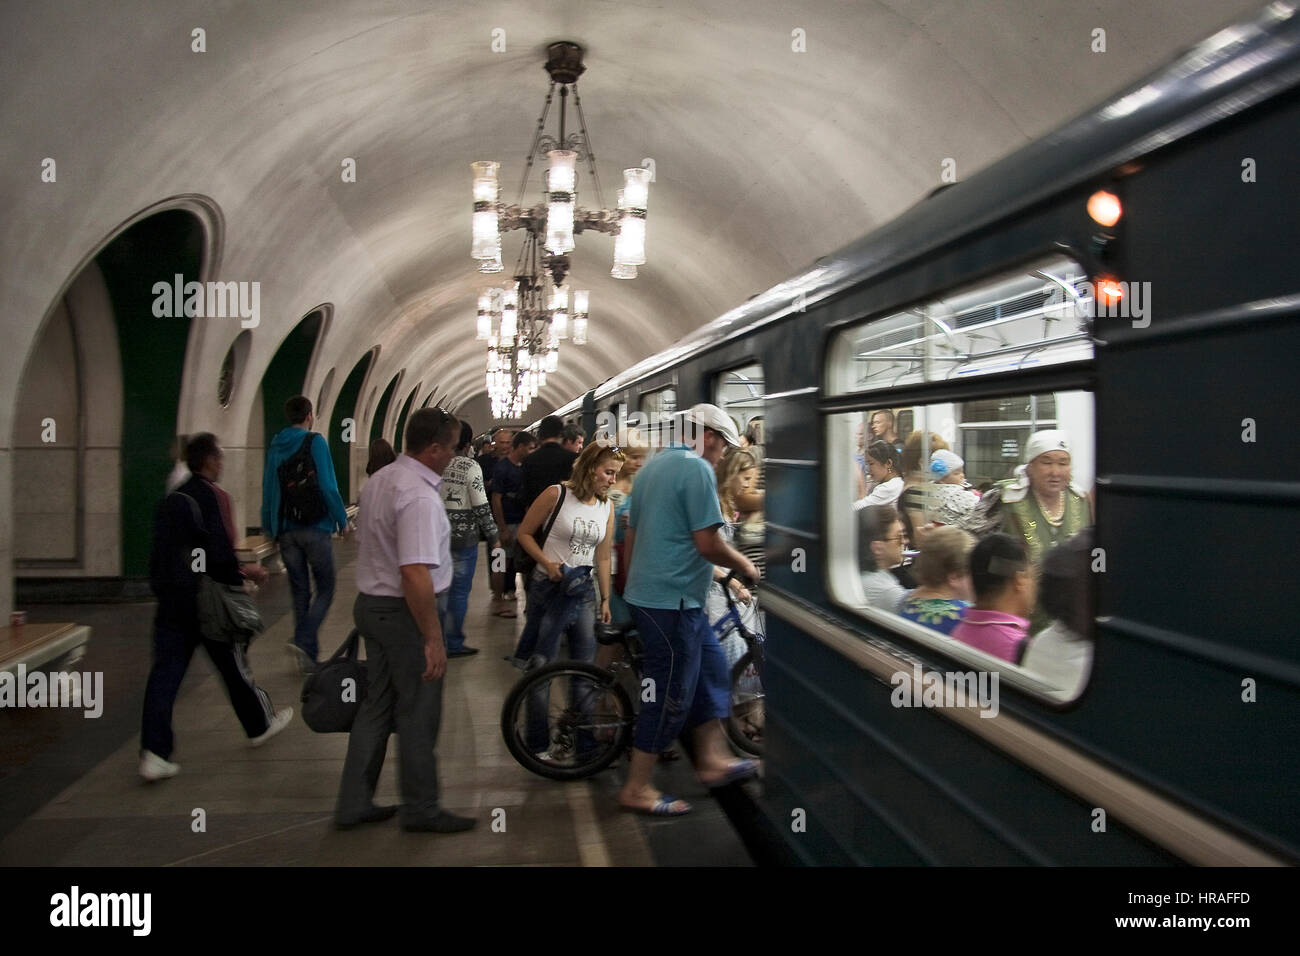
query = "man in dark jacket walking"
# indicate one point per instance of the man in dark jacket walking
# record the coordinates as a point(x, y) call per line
point(193, 536)
point(304, 546)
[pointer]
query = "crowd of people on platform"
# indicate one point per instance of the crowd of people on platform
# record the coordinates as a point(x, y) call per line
point(592, 534)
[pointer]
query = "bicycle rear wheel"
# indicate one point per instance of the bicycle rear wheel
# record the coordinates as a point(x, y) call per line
point(744, 723)
point(567, 720)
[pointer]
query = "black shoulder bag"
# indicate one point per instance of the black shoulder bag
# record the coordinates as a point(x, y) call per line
point(227, 613)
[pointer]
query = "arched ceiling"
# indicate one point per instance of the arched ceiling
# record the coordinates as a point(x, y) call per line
point(766, 157)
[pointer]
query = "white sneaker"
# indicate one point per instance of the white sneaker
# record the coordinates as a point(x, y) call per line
point(278, 723)
point(153, 767)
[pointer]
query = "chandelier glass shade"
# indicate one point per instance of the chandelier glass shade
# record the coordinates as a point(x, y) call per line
point(525, 323)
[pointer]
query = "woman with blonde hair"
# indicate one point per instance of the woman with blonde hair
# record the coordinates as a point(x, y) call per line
point(561, 596)
point(635, 451)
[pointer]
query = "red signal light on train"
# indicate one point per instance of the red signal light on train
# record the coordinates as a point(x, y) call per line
point(1104, 208)
point(1109, 291)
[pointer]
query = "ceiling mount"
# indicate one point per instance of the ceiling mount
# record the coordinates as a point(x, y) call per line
point(564, 62)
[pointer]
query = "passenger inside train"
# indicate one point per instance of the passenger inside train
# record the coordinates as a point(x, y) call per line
point(1018, 466)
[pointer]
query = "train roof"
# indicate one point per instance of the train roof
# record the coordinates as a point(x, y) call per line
point(1237, 67)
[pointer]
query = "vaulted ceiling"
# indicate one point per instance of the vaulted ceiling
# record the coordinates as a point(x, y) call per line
point(778, 132)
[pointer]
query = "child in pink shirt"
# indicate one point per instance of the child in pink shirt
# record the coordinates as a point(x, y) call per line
point(1004, 586)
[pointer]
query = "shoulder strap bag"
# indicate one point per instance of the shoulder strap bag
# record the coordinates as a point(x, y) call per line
point(524, 562)
point(227, 613)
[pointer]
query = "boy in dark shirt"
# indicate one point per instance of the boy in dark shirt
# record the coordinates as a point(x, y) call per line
point(508, 511)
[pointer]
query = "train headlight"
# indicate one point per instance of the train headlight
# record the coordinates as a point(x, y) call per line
point(1104, 208)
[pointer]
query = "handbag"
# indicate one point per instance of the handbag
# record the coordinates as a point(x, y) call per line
point(227, 613)
point(524, 562)
point(332, 695)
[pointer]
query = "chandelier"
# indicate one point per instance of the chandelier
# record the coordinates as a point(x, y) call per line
point(523, 324)
point(557, 219)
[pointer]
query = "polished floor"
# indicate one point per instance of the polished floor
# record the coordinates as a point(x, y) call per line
point(70, 794)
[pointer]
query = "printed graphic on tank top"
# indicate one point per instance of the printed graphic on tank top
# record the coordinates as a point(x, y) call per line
point(578, 530)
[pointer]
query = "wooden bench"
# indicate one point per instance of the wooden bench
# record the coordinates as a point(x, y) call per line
point(36, 645)
point(259, 549)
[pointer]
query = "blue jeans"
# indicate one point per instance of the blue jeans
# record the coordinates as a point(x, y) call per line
point(463, 562)
point(558, 615)
point(300, 549)
point(551, 610)
point(688, 668)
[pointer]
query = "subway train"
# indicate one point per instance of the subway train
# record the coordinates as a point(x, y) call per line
point(1129, 280)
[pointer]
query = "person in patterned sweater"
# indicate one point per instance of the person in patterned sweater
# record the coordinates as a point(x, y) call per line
point(468, 512)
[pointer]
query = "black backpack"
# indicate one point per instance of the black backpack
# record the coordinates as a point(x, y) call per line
point(301, 500)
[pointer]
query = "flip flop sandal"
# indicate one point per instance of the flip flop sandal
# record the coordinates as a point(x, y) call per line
point(740, 770)
point(663, 807)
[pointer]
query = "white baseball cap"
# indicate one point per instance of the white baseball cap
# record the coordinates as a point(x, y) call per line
point(711, 416)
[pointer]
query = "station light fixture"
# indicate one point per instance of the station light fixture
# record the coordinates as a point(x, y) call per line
point(525, 322)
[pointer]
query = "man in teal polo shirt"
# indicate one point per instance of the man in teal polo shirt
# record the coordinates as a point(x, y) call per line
point(673, 541)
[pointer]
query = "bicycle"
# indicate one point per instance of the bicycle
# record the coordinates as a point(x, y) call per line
point(568, 720)
point(744, 723)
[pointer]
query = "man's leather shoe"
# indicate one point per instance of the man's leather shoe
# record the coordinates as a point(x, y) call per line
point(373, 815)
point(463, 652)
point(444, 822)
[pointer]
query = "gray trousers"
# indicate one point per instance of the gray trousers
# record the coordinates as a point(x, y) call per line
point(397, 699)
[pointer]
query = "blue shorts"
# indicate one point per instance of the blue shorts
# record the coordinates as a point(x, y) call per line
point(687, 670)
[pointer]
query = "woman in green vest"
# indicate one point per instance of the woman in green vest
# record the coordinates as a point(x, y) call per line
point(1041, 504)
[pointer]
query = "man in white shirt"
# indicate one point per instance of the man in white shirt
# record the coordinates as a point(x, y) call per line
point(404, 572)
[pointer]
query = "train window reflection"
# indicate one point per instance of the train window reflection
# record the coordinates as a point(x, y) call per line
point(657, 408)
point(968, 526)
point(659, 405)
point(1028, 318)
point(739, 393)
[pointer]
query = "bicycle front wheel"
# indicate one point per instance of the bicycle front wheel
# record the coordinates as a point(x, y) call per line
point(567, 720)
point(744, 723)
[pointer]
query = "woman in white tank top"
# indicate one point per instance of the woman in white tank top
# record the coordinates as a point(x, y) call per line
point(560, 596)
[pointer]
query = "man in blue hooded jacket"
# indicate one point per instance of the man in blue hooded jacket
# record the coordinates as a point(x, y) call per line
point(304, 546)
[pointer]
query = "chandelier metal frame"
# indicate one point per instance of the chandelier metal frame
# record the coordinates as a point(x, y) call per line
point(514, 369)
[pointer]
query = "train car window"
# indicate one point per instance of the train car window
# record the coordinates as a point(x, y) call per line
point(739, 392)
point(659, 404)
point(1025, 319)
point(657, 408)
point(967, 526)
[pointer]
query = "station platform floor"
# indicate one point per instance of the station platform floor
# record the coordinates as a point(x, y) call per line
point(70, 794)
